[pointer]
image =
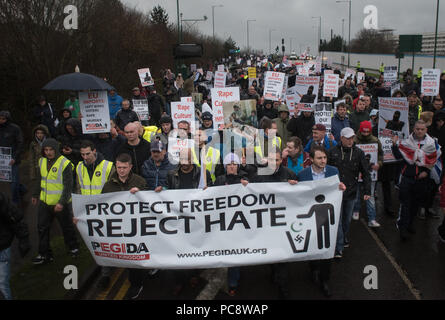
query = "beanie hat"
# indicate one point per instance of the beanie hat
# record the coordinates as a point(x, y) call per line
point(365, 125)
point(166, 119)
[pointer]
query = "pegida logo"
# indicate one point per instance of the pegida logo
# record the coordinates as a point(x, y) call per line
point(98, 174)
point(122, 251)
point(54, 170)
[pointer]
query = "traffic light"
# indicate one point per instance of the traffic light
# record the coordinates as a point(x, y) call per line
point(282, 41)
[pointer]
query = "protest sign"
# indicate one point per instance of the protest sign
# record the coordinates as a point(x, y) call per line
point(350, 73)
point(221, 68)
point(140, 106)
point(175, 145)
point(430, 82)
point(330, 87)
point(5, 167)
point(220, 95)
point(261, 223)
point(273, 85)
point(360, 77)
point(95, 112)
point(323, 114)
point(252, 80)
point(205, 107)
point(305, 107)
point(390, 76)
point(394, 87)
point(291, 104)
point(302, 89)
point(145, 77)
point(186, 99)
point(327, 71)
point(240, 113)
point(252, 73)
point(193, 67)
point(209, 76)
point(283, 92)
point(220, 79)
point(393, 120)
point(183, 111)
point(371, 155)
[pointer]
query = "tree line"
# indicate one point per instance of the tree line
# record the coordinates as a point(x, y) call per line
point(112, 41)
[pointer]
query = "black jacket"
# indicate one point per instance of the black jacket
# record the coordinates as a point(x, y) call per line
point(73, 142)
point(11, 136)
point(173, 178)
point(12, 225)
point(138, 154)
point(271, 113)
point(124, 117)
point(301, 127)
point(350, 162)
point(230, 179)
point(283, 174)
point(155, 106)
point(45, 115)
point(109, 146)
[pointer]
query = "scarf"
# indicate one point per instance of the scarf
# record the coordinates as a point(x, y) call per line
point(421, 156)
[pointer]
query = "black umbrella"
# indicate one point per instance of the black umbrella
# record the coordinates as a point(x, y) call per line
point(77, 82)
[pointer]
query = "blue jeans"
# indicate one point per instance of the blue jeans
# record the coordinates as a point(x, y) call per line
point(370, 204)
point(167, 108)
point(347, 208)
point(5, 271)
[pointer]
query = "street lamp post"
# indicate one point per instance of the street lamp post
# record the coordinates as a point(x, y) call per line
point(270, 40)
point(349, 37)
point(213, 17)
point(342, 34)
point(248, 48)
point(435, 36)
point(319, 34)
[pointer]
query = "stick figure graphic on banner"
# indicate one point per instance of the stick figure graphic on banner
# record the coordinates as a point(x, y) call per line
point(309, 97)
point(324, 216)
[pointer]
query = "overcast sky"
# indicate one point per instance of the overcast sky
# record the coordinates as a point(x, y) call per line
point(292, 18)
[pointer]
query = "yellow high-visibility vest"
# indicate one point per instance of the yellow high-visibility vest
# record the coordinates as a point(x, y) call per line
point(212, 159)
point(100, 176)
point(275, 142)
point(51, 184)
point(382, 69)
point(149, 133)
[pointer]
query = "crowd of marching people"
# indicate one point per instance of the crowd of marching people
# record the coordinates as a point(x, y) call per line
point(134, 156)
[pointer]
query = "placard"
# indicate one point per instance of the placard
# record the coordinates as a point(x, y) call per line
point(95, 112)
point(430, 82)
point(140, 106)
point(145, 77)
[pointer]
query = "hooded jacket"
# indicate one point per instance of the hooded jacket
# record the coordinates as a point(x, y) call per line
point(155, 104)
point(301, 127)
point(45, 115)
point(73, 142)
point(11, 136)
point(114, 104)
point(156, 176)
point(67, 175)
point(35, 150)
point(12, 225)
point(60, 129)
point(350, 162)
point(337, 125)
point(282, 130)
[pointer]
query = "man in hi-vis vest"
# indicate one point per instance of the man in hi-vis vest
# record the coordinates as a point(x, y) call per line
point(93, 171)
point(54, 185)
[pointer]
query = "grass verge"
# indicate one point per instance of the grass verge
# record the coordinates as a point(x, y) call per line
point(45, 282)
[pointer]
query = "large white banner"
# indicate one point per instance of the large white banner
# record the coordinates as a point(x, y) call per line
point(5, 167)
point(220, 95)
point(430, 82)
point(221, 226)
point(273, 85)
point(95, 112)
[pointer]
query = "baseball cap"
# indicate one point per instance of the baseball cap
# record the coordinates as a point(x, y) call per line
point(231, 157)
point(347, 132)
point(374, 112)
point(319, 127)
point(157, 145)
